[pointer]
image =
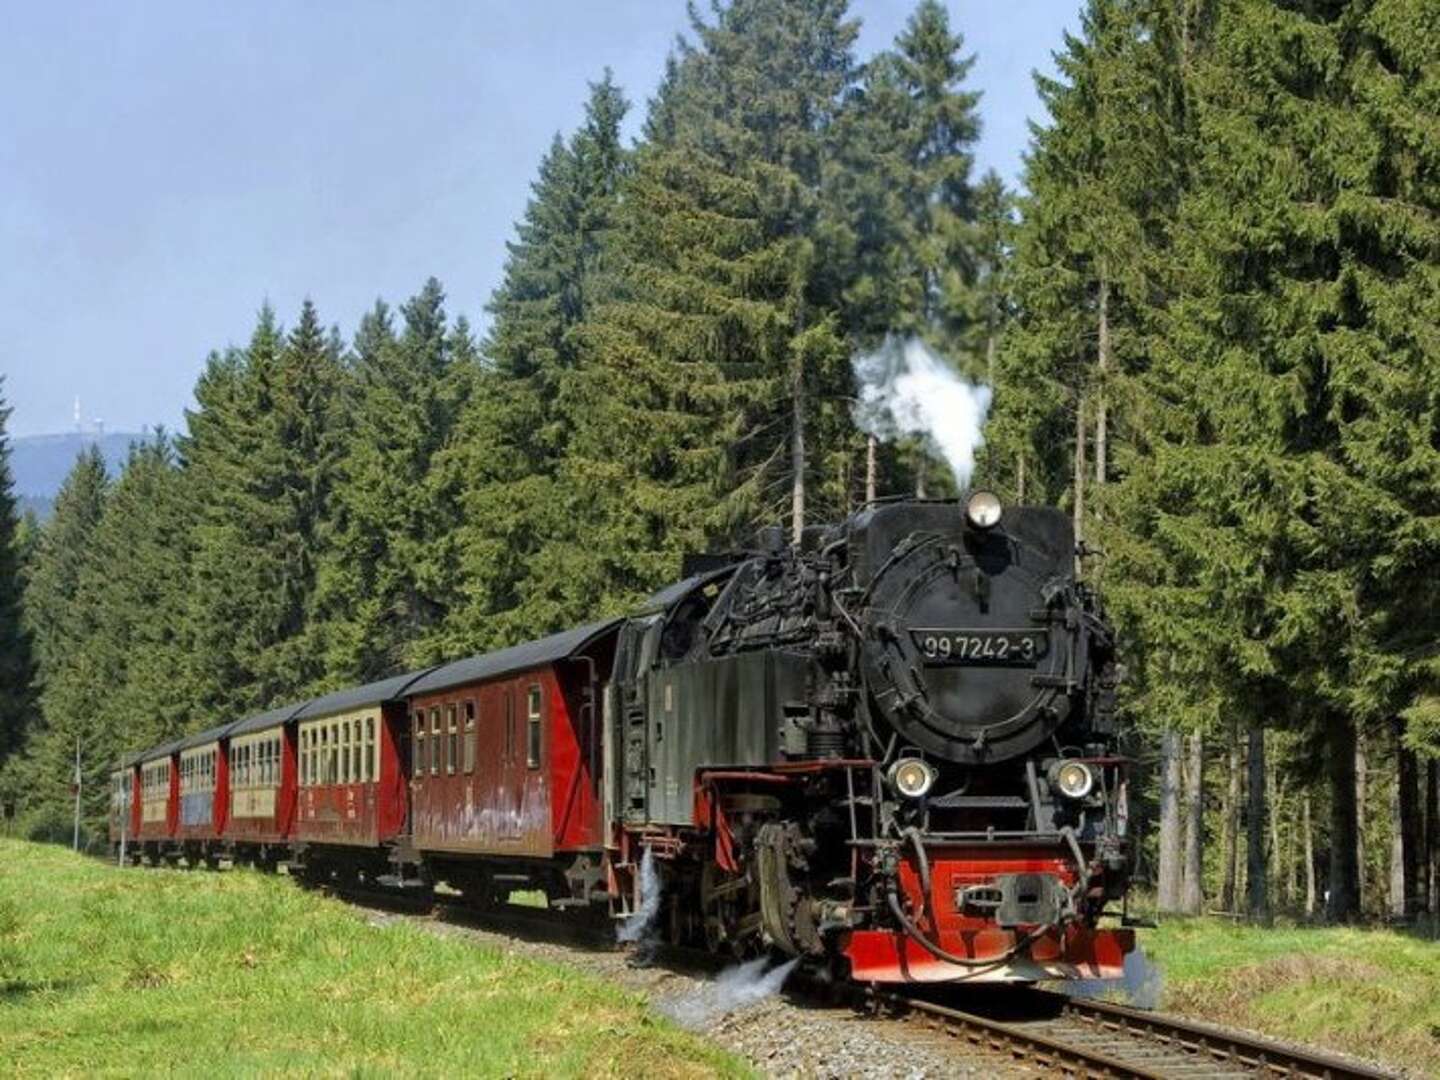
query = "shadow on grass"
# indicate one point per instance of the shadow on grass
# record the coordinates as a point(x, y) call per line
point(20, 989)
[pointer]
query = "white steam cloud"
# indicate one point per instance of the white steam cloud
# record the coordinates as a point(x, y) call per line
point(1141, 985)
point(639, 924)
point(906, 389)
point(735, 988)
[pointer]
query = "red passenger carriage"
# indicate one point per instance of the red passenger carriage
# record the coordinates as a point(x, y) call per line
point(352, 794)
point(159, 797)
point(261, 782)
point(203, 793)
point(506, 766)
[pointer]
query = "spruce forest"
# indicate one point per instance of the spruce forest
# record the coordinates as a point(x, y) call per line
point(1208, 316)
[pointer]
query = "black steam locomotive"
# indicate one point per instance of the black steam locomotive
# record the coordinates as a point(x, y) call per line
point(891, 744)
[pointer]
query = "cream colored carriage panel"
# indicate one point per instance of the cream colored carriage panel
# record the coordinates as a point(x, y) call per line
point(340, 749)
point(256, 770)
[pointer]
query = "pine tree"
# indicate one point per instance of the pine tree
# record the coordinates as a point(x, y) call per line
point(1277, 505)
point(371, 603)
point(60, 611)
point(53, 592)
point(709, 392)
point(1089, 282)
point(515, 428)
point(260, 455)
point(16, 664)
point(908, 209)
point(121, 682)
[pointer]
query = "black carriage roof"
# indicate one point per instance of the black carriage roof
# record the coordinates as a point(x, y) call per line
point(358, 697)
point(155, 753)
point(671, 595)
point(200, 738)
point(530, 654)
point(268, 719)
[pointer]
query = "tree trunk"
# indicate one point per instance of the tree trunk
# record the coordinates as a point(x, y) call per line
point(1407, 895)
point(1430, 848)
point(1343, 902)
point(872, 467)
point(1292, 862)
point(1020, 479)
point(1102, 411)
point(1277, 849)
point(920, 476)
point(1079, 481)
point(1257, 902)
point(1398, 798)
point(797, 458)
point(1168, 885)
point(1362, 776)
point(1309, 857)
point(1192, 899)
point(1230, 824)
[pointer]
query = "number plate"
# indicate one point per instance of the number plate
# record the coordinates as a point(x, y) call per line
point(981, 646)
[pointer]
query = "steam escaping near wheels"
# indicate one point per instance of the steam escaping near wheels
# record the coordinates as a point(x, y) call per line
point(907, 389)
point(638, 926)
point(733, 989)
point(1141, 985)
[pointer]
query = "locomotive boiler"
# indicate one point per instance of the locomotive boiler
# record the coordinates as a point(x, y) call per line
point(889, 746)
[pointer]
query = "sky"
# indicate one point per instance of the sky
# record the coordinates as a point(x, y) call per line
point(168, 166)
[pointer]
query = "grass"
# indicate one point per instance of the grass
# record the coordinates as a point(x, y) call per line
point(130, 972)
point(1371, 992)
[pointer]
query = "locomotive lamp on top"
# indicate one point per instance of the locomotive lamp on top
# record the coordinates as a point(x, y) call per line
point(983, 510)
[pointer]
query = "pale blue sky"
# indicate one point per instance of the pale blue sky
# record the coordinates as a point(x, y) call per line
point(166, 166)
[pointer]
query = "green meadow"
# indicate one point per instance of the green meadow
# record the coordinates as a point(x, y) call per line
point(129, 972)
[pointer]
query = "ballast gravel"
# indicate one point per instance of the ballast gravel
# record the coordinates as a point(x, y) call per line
point(777, 1036)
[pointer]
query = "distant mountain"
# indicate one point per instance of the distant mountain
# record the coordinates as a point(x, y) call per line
point(40, 463)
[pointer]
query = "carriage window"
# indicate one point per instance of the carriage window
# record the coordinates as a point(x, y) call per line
point(335, 753)
point(509, 724)
point(345, 744)
point(532, 728)
point(469, 736)
point(435, 741)
point(304, 756)
point(357, 747)
point(452, 746)
point(417, 766)
point(372, 757)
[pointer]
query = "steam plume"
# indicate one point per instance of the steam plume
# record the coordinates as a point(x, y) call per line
point(1141, 984)
point(735, 988)
point(635, 927)
point(906, 389)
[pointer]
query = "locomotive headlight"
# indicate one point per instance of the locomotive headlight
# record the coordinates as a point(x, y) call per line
point(1073, 779)
point(911, 777)
point(983, 510)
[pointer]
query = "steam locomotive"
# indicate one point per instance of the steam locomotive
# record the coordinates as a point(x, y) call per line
point(888, 748)
point(890, 744)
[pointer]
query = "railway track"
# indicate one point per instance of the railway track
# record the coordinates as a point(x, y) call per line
point(1060, 1034)
point(1082, 1037)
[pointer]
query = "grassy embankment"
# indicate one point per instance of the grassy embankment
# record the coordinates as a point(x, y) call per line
point(1371, 992)
point(118, 972)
